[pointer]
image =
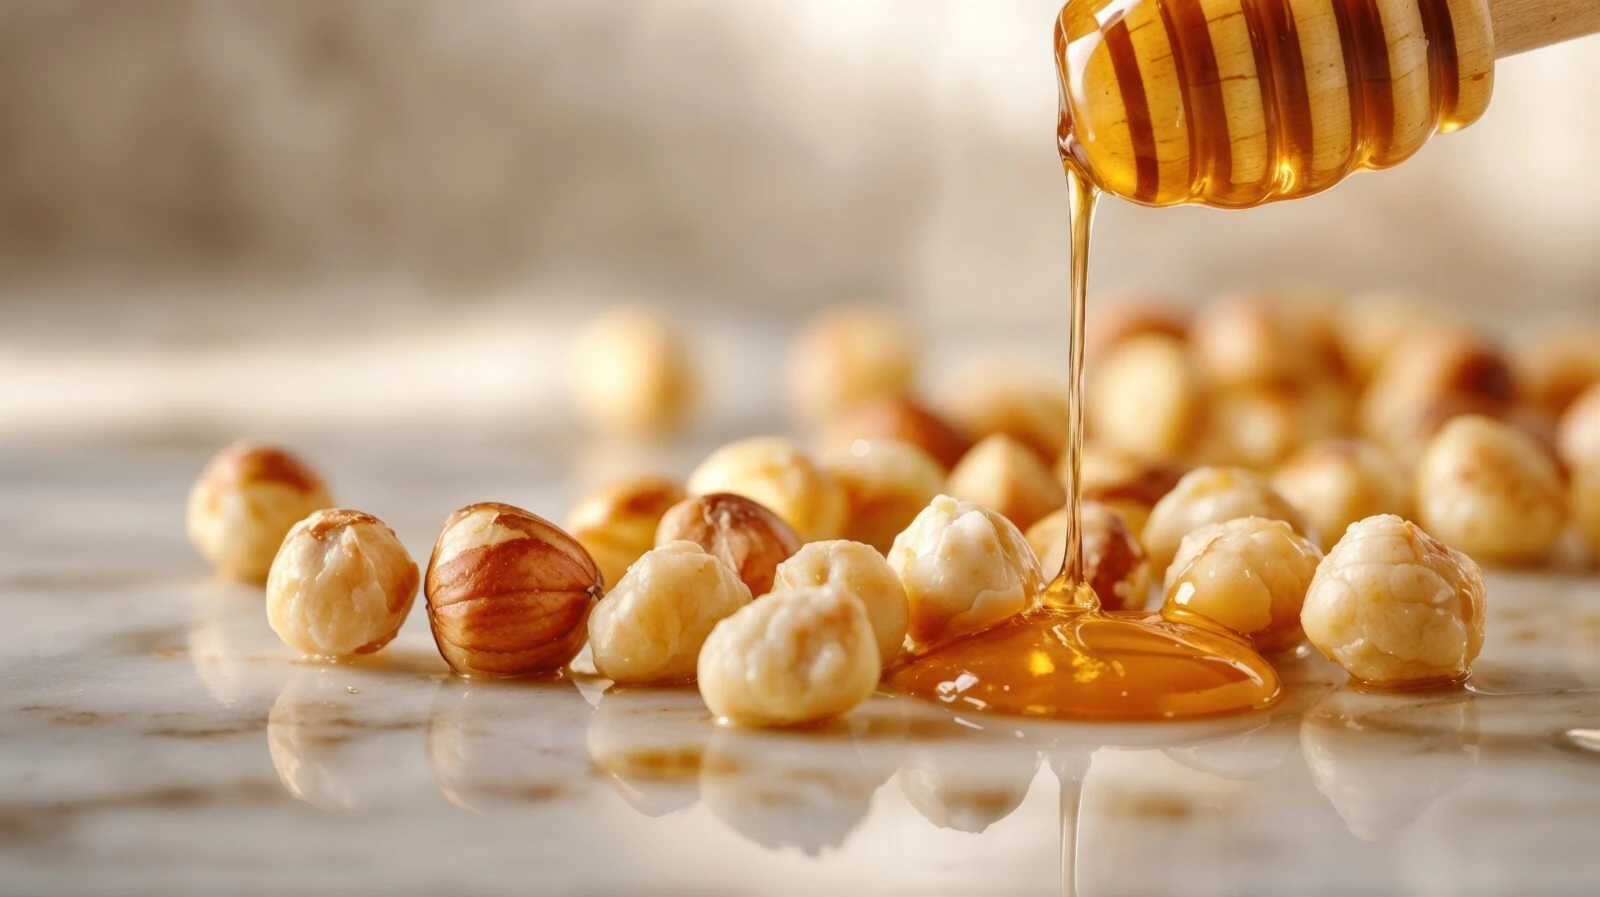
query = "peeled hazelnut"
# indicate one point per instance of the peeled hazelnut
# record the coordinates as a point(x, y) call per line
point(781, 477)
point(886, 483)
point(617, 523)
point(796, 656)
point(847, 355)
point(1113, 559)
point(858, 571)
point(1145, 398)
point(341, 585)
point(1578, 434)
point(1211, 495)
point(1259, 426)
point(902, 418)
point(751, 540)
point(1396, 607)
point(1248, 575)
point(244, 503)
point(1430, 376)
point(1003, 474)
point(1030, 408)
point(632, 373)
point(1370, 326)
point(1489, 489)
point(1336, 482)
point(965, 568)
point(1254, 341)
point(650, 627)
point(508, 592)
point(1556, 363)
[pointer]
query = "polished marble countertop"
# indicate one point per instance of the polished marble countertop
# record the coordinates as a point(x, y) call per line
point(156, 738)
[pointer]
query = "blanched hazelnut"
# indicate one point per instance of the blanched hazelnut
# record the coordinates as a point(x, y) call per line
point(860, 572)
point(508, 592)
point(1211, 495)
point(244, 503)
point(617, 523)
point(1585, 501)
point(1027, 406)
point(1113, 559)
point(751, 540)
point(1432, 375)
point(1123, 482)
point(650, 627)
point(1336, 482)
point(632, 373)
point(796, 656)
point(1394, 606)
point(1369, 327)
point(1254, 341)
point(886, 483)
point(1556, 363)
point(1248, 575)
point(898, 417)
point(1145, 398)
point(847, 355)
point(1002, 474)
point(341, 585)
point(1259, 426)
point(965, 568)
point(1490, 490)
point(781, 477)
point(1578, 434)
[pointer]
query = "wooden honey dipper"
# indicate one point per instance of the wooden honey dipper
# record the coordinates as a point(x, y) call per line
point(1234, 103)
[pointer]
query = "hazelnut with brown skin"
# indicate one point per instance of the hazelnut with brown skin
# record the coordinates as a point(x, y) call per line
point(901, 418)
point(1004, 475)
point(244, 503)
point(782, 477)
point(1429, 377)
point(508, 592)
point(1123, 482)
point(617, 523)
point(1113, 559)
point(751, 540)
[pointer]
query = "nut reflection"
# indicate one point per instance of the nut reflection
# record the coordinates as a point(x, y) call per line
point(501, 745)
point(650, 744)
point(228, 638)
point(331, 749)
point(970, 782)
point(1243, 756)
point(1383, 759)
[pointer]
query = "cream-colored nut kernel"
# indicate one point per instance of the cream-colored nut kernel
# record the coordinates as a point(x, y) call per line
point(1336, 482)
point(847, 355)
point(632, 373)
point(1113, 559)
point(1432, 375)
point(1489, 489)
point(1252, 341)
point(901, 418)
point(1146, 399)
point(617, 523)
point(861, 572)
point(742, 534)
point(886, 483)
point(1028, 406)
point(1394, 606)
point(341, 585)
point(965, 568)
point(247, 498)
point(1004, 475)
point(1260, 426)
point(796, 656)
point(1556, 363)
point(1578, 434)
point(780, 476)
point(1212, 495)
point(1585, 501)
point(1248, 575)
point(649, 629)
point(508, 592)
point(1370, 326)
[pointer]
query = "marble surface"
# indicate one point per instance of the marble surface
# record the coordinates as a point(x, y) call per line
point(155, 738)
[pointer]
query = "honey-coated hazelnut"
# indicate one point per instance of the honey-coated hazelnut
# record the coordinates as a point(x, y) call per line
point(751, 540)
point(508, 592)
point(1113, 559)
point(617, 523)
point(861, 572)
point(901, 418)
point(847, 355)
point(1004, 475)
point(1029, 407)
point(886, 483)
point(632, 373)
point(1336, 482)
point(1248, 575)
point(1491, 490)
point(781, 477)
point(649, 629)
point(1212, 495)
point(1145, 398)
point(341, 585)
point(247, 498)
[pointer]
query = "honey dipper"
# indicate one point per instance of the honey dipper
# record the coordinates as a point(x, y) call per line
point(1234, 103)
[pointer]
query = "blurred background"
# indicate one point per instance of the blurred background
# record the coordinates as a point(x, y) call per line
point(256, 217)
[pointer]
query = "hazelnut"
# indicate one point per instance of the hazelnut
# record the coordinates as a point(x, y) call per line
point(1369, 328)
point(902, 418)
point(1113, 559)
point(247, 498)
point(1394, 606)
point(886, 483)
point(748, 538)
point(1030, 408)
point(847, 355)
point(1259, 426)
point(617, 523)
point(1248, 575)
point(1002, 474)
point(1489, 489)
point(1578, 434)
point(1431, 376)
point(965, 568)
point(1556, 363)
point(632, 373)
point(1122, 482)
point(1253, 341)
point(1336, 482)
point(860, 572)
point(1585, 501)
point(341, 585)
point(508, 592)
point(650, 627)
point(1145, 399)
point(796, 656)
point(1121, 318)
point(1211, 495)
point(780, 476)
